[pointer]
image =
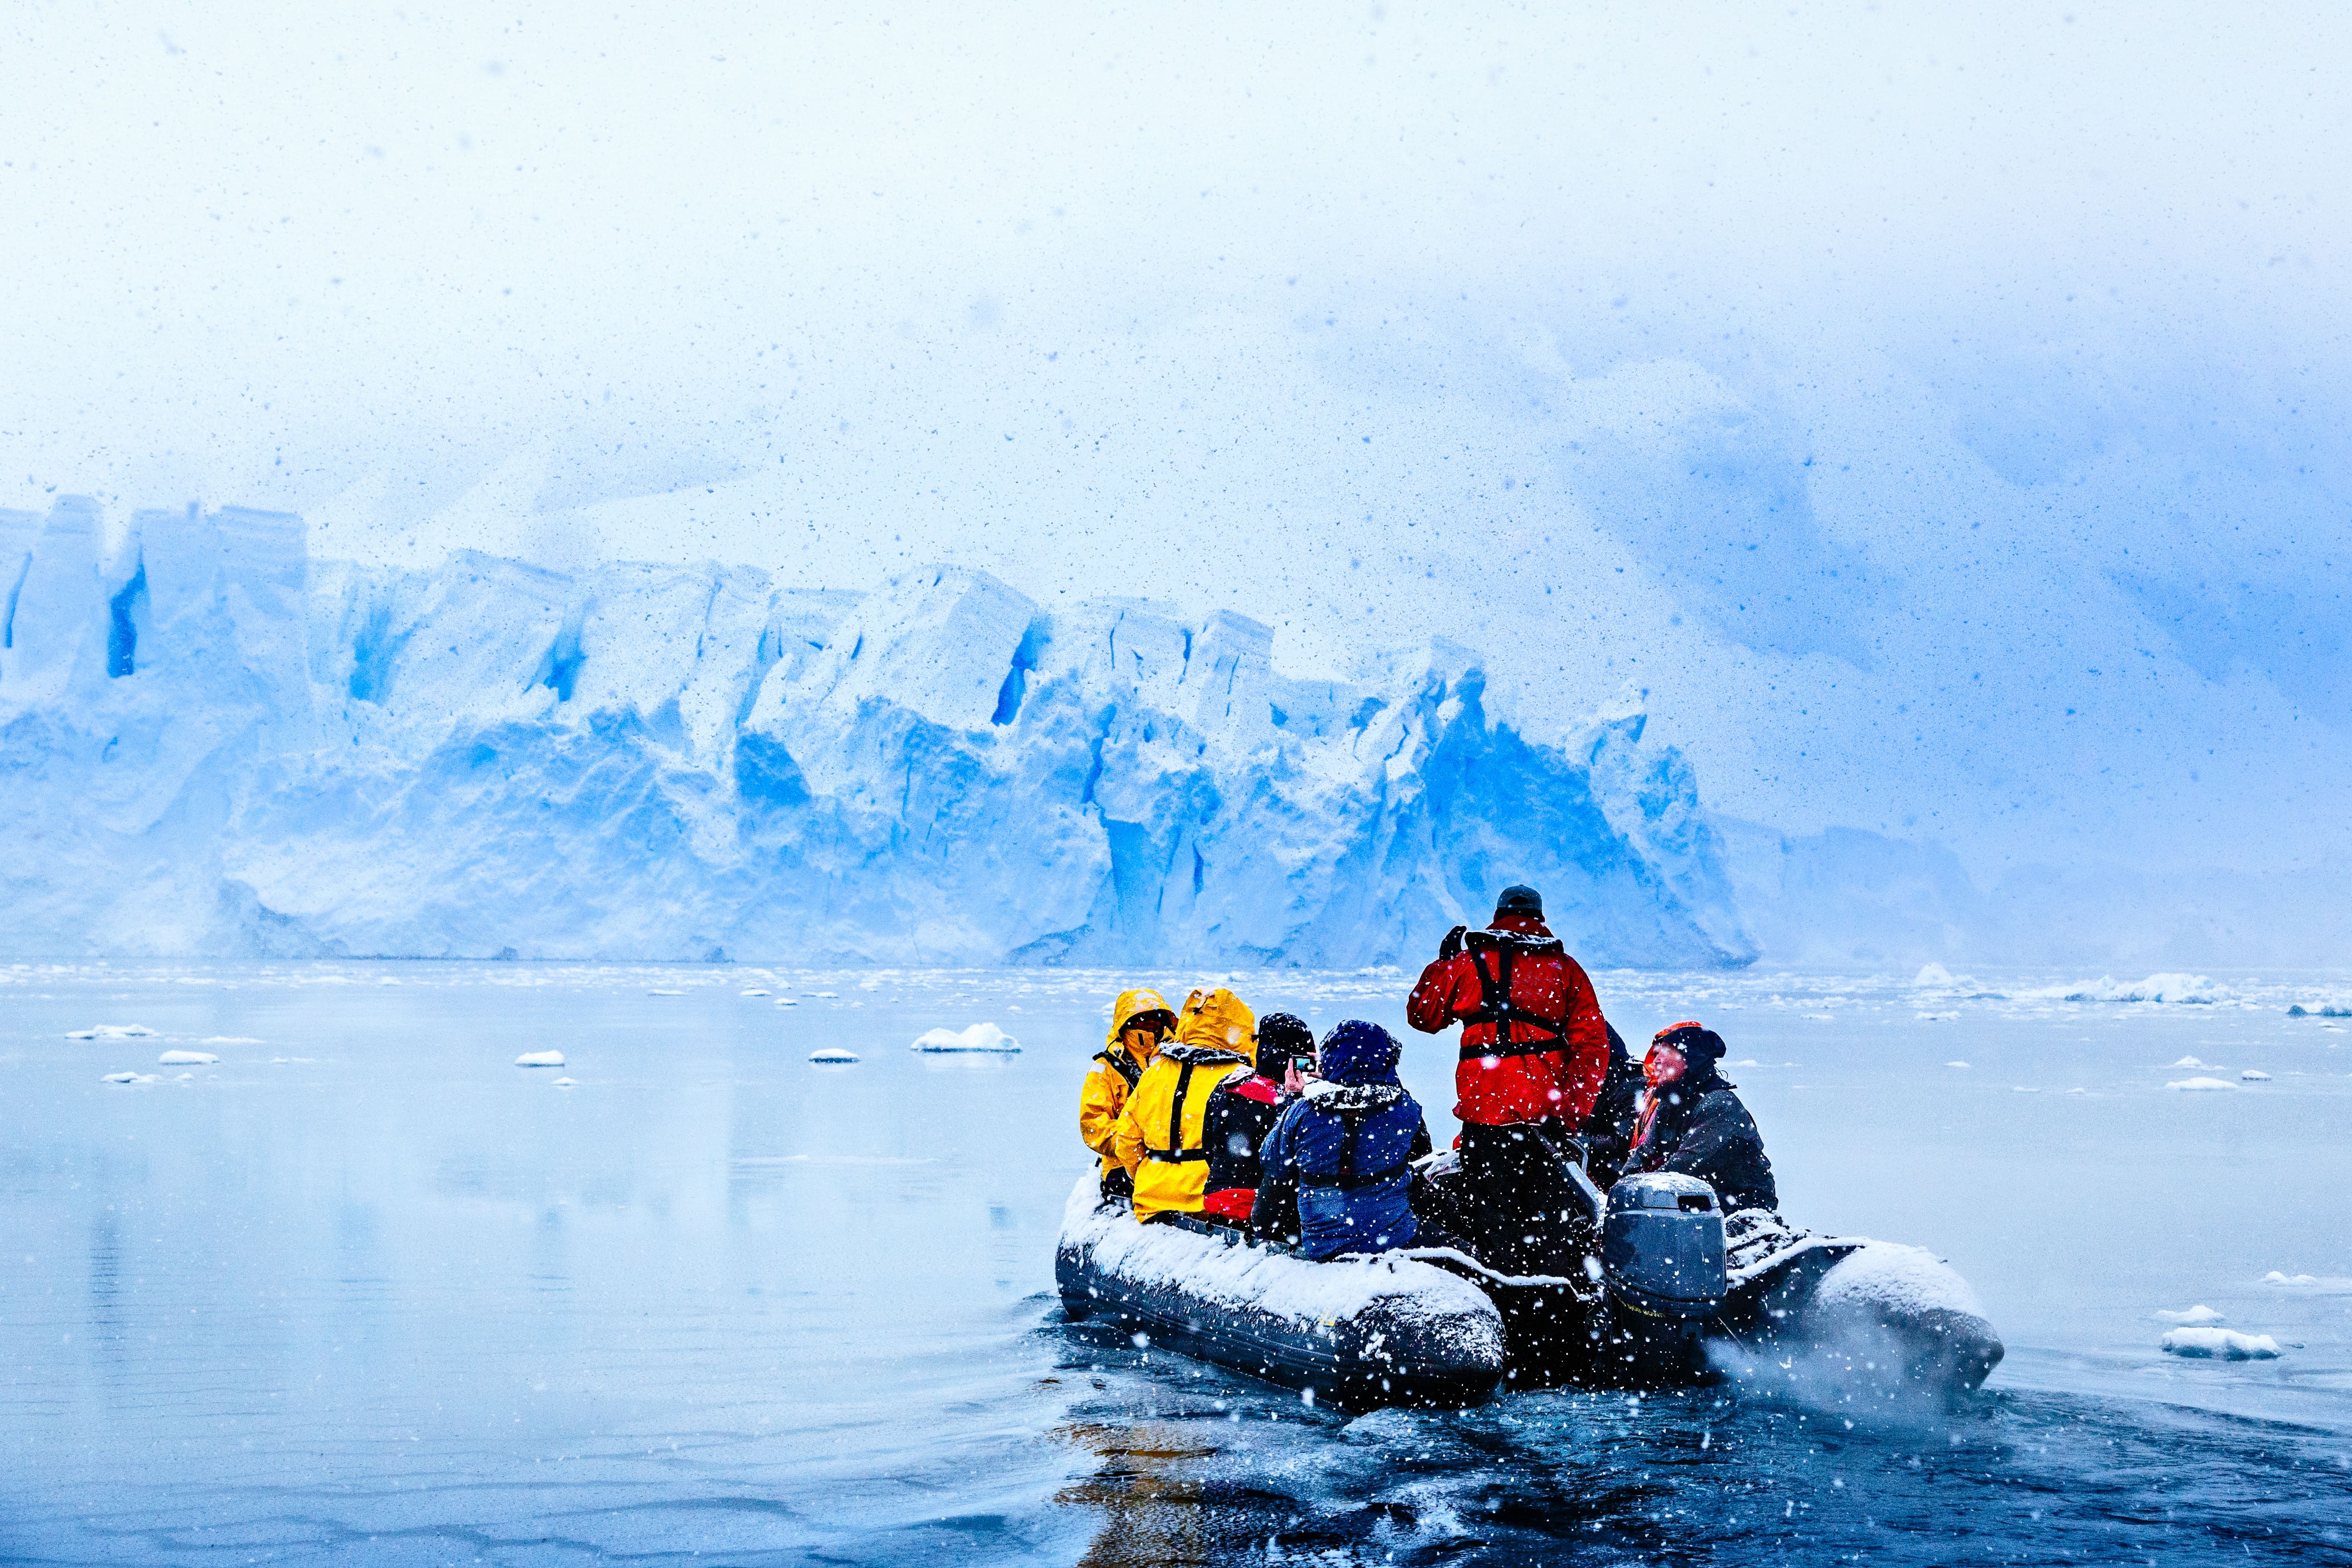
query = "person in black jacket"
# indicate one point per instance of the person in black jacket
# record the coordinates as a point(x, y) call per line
point(1694, 1124)
point(1609, 1131)
point(1243, 1109)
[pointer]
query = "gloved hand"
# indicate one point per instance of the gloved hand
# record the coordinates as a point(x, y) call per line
point(1452, 946)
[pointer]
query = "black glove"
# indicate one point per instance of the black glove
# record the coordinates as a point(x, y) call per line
point(1452, 946)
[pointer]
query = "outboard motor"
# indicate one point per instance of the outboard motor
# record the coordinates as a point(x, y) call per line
point(1662, 1246)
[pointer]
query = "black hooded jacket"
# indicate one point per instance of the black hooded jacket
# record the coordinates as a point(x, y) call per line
point(1609, 1131)
point(1703, 1130)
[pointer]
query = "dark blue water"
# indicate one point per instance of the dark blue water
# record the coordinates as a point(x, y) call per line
point(365, 1292)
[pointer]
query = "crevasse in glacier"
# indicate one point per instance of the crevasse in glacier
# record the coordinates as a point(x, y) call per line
point(212, 743)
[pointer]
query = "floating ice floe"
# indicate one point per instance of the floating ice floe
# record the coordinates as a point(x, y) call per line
point(834, 1056)
point(2256, 1076)
point(2195, 1317)
point(665, 993)
point(2199, 1085)
point(1956, 1064)
point(2193, 989)
point(540, 1058)
point(186, 1059)
point(980, 1036)
point(827, 996)
point(132, 1078)
point(787, 1002)
point(228, 1040)
point(2331, 1286)
point(755, 991)
point(567, 1083)
point(2226, 1345)
point(113, 1031)
point(2022, 1089)
point(2192, 1061)
point(2327, 1011)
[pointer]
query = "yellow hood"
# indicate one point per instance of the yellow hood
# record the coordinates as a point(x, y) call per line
point(1132, 1004)
point(1218, 1018)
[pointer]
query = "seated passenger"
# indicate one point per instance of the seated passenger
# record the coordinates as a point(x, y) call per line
point(1336, 1169)
point(1694, 1124)
point(1608, 1133)
point(1243, 1110)
point(1140, 1021)
point(1159, 1133)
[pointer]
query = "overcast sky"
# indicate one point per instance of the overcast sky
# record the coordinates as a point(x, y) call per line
point(1942, 411)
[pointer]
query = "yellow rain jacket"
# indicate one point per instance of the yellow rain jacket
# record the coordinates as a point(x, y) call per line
point(1104, 1093)
point(1217, 1019)
point(1159, 1134)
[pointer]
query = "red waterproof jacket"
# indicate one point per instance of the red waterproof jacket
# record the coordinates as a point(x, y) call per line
point(1533, 1042)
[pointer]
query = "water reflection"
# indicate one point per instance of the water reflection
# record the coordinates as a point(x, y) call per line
point(1154, 1508)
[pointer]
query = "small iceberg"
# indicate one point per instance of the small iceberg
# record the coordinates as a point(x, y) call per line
point(113, 1031)
point(540, 1058)
point(786, 1002)
point(2192, 1061)
point(186, 1059)
point(2199, 1085)
point(2196, 1317)
point(665, 993)
point(755, 991)
point(2256, 1076)
point(1956, 1064)
point(2227, 1344)
point(833, 1056)
point(980, 1036)
point(2275, 1278)
point(567, 1083)
point(132, 1078)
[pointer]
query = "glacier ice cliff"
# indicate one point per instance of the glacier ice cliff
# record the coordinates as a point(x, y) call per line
point(212, 743)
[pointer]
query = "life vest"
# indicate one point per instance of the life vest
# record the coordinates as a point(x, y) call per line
point(1122, 1064)
point(1495, 996)
point(1186, 1058)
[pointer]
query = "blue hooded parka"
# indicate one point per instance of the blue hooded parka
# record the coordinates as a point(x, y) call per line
point(1344, 1149)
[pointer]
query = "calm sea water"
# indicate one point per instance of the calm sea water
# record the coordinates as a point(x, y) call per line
point(365, 1292)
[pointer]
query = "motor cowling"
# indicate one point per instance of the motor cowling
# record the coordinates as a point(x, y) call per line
point(1662, 1246)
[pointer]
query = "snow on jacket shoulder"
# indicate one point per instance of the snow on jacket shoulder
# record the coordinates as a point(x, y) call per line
point(1158, 1139)
point(1533, 1042)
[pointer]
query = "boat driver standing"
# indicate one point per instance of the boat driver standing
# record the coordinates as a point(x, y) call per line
point(1534, 1051)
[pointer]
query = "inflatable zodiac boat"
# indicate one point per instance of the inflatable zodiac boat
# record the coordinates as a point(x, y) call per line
point(1665, 1295)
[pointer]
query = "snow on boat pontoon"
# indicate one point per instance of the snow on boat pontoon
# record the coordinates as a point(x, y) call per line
point(1664, 1299)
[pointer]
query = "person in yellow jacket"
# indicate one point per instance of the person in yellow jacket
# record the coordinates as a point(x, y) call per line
point(1158, 1135)
point(1140, 1021)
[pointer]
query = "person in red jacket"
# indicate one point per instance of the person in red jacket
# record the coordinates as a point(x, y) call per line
point(1535, 1050)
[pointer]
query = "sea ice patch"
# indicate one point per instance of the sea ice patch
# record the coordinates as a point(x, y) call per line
point(186, 1059)
point(113, 1031)
point(2201, 1085)
point(540, 1058)
point(980, 1036)
point(2256, 1076)
point(2197, 1316)
point(2224, 1345)
point(833, 1055)
point(132, 1078)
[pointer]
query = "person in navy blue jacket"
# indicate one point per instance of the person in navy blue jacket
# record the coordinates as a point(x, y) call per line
point(1336, 1170)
